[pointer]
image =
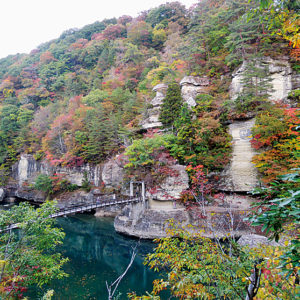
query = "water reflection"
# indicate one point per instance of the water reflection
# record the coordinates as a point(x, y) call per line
point(98, 254)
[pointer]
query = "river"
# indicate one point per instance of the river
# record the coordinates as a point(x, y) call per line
point(97, 254)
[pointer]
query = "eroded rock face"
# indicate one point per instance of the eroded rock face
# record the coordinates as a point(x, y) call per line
point(152, 118)
point(147, 224)
point(218, 221)
point(282, 76)
point(172, 186)
point(192, 86)
point(112, 173)
point(2, 194)
point(241, 175)
point(27, 169)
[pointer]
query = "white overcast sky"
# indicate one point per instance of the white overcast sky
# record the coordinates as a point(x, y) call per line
point(25, 24)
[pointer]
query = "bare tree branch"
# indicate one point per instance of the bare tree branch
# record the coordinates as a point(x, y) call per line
point(112, 288)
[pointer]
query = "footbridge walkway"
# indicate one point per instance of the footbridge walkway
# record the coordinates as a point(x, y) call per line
point(98, 202)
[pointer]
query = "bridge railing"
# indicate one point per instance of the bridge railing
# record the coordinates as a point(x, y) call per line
point(78, 207)
point(96, 203)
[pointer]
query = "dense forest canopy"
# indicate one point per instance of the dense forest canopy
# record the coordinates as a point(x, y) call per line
point(79, 98)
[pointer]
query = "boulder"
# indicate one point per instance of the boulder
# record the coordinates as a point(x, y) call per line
point(254, 240)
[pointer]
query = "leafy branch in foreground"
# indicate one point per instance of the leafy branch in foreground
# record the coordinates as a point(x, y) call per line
point(198, 268)
point(27, 254)
point(275, 214)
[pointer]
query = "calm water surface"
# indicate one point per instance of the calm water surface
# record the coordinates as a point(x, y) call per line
point(98, 254)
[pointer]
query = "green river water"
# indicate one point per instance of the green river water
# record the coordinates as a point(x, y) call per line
point(98, 254)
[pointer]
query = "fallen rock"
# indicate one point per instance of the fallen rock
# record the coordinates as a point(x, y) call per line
point(254, 240)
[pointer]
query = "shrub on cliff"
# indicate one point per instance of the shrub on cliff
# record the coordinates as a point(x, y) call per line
point(171, 107)
point(43, 183)
point(150, 158)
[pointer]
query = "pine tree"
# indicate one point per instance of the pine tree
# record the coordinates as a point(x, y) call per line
point(101, 137)
point(256, 80)
point(171, 107)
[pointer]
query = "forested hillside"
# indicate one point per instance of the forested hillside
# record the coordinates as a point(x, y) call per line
point(80, 98)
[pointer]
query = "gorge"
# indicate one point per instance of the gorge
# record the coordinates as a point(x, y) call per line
point(194, 110)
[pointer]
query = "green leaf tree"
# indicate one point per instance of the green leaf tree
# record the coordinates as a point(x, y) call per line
point(43, 183)
point(27, 254)
point(197, 267)
point(171, 107)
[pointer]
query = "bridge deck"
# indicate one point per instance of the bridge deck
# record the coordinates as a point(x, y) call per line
point(83, 208)
point(98, 204)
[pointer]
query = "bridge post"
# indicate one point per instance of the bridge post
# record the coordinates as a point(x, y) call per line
point(131, 189)
point(143, 192)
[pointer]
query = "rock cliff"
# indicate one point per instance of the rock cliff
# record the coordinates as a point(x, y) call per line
point(152, 114)
point(283, 79)
point(240, 175)
point(191, 86)
point(27, 169)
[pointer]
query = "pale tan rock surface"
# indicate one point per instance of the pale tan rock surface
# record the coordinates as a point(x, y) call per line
point(172, 186)
point(241, 175)
point(112, 173)
point(255, 240)
point(283, 79)
point(191, 86)
point(27, 169)
point(151, 119)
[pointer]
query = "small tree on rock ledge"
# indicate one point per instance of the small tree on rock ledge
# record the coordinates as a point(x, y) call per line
point(171, 107)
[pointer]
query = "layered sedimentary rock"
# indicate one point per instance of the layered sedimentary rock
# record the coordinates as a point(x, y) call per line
point(213, 221)
point(283, 79)
point(151, 119)
point(191, 86)
point(137, 221)
point(241, 175)
point(27, 169)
